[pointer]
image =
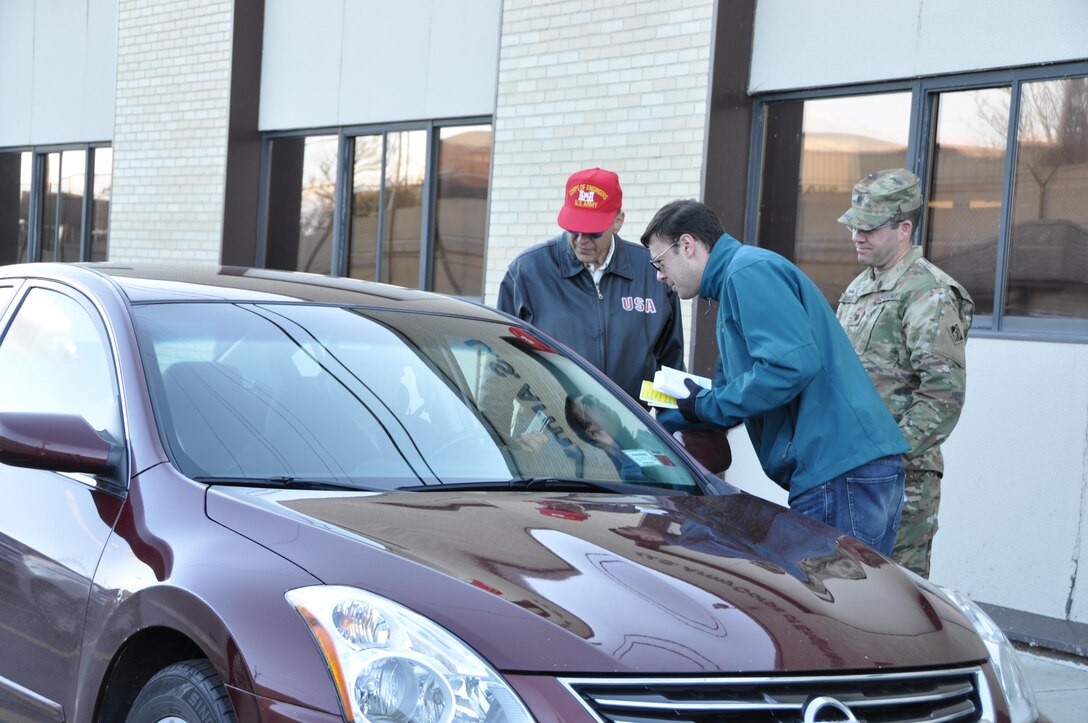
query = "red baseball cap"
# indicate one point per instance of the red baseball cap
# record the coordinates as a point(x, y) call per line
point(592, 201)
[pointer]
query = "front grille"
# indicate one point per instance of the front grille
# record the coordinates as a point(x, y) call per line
point(933, 696)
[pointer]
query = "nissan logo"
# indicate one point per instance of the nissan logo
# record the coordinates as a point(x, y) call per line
point(825, 708)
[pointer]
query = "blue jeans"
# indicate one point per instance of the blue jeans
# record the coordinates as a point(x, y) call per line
point(865, 502)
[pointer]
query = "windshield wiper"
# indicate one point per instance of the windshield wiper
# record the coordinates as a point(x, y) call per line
point(294, 483)
point(533, 484)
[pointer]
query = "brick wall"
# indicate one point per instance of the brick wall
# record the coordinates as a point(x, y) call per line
point(170, 129)
point(612, 83)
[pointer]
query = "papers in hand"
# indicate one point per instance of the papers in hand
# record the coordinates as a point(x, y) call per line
point(668, 386)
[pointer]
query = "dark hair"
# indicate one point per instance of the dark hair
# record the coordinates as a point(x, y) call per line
point(684, 216)
point(914, 217)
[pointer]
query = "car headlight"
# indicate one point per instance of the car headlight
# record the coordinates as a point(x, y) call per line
point(1014, 685)
point(392, 665)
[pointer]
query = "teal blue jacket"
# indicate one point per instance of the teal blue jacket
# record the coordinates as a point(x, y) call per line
point(788, 371)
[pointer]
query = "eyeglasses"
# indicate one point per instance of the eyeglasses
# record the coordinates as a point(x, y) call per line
point(892, 224)
point(588, 235)
point(656, 260)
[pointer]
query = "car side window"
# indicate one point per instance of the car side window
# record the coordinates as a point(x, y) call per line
point(55, 358)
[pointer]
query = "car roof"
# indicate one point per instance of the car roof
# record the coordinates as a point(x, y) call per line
point(158, 282)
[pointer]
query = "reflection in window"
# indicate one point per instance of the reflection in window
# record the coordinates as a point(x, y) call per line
point(301, 203)
point(387, 207)
point(73, 186)
point(815, 151)
point(14, 206)
point(405, 166)
point(366, 201)
point(1048, 256)
point(967, 178)
point(101, 186)
point(464, 162)
point(50, 186)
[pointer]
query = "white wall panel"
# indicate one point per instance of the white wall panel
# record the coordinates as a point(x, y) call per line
point(300, 63)
point(16, 71)
point(57, 61)
point(1013, 507)
point(385, 62)
point(834, 42)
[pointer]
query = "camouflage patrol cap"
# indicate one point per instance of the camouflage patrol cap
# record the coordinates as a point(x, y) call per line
point(880, 196)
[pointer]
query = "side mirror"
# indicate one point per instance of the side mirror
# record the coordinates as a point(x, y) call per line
point(56, 442)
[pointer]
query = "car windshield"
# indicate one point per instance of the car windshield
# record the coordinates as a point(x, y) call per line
point(380, 399)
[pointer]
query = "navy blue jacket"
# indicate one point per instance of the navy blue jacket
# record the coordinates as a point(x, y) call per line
point(789, 372)
point(628, 327)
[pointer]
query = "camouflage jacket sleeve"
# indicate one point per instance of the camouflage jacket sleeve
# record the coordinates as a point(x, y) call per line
point(935, 325)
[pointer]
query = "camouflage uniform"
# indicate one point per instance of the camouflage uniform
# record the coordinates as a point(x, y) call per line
point(909, 327)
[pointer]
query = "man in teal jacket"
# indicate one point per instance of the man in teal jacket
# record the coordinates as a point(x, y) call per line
point(787, 370)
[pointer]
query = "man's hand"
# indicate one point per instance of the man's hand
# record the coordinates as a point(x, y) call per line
point(687, 405)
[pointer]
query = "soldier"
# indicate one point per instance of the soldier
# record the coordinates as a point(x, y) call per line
point(908, 322)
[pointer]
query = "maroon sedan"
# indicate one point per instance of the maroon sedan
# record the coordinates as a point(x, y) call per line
point(239, 494)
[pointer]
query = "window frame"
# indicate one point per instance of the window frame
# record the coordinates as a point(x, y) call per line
point(345, 136)
point(921, 143)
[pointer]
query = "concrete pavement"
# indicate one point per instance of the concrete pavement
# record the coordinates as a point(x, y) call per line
point(1060, 684)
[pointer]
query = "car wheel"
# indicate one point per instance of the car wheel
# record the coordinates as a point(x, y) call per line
point(188, 692)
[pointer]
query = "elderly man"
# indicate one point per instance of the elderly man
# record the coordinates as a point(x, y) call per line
point(595, 292)
point(908, 322)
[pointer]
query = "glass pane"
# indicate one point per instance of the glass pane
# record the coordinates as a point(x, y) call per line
point(14, 205)
point(964, 211)
point(1048, 257)
point(73, 185)
point(301, 203)
point(293, 390)
point(464, 163)
point(405, 167)
point(100, 203)
point(55, 359)
point(366, 194)
point(815, 151)
point(50, 189)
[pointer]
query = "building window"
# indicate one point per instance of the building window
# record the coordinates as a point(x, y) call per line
point(46, 212)
point(413, 204)
point(1004, 160)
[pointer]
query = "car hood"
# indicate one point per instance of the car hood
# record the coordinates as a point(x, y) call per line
point(595, 583)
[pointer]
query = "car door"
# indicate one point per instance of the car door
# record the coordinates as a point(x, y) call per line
point(55, 357)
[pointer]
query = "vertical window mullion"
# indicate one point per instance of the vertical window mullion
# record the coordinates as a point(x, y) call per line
point(88, 200)
point(37, 202)
point(427, 230)
point(261, 254)
point(1004, 230)
point(924, 145)
point(58, 208)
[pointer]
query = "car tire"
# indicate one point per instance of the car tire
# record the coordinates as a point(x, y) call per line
point(187, 692)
